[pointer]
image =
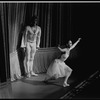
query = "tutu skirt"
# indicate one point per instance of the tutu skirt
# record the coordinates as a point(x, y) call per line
point(58, 69)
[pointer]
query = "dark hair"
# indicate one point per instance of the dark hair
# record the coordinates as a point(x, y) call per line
point(67, 45)
point(32, 21)
point(34, 18)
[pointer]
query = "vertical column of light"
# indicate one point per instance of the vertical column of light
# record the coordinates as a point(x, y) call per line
point(48, 26)
point(60, 26)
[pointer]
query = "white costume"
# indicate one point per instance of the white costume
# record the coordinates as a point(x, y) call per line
point(31, 35)
point(58, 68)
point(30, 40)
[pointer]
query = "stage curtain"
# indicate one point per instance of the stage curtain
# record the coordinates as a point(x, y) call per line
point(49, 19)
point(15, 16)
point(12, 18)
point(53, 18)
point(15, 71)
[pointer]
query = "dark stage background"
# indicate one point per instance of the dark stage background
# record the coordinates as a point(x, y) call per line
point(85, 23)
point(77, 20)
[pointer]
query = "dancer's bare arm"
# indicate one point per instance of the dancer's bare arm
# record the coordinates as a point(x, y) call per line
point(38, 38)
point(62, 49)
point(73, 46)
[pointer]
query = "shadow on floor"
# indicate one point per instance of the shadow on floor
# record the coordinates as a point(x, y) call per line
point(57, 82)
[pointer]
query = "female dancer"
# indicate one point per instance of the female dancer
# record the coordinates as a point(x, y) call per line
point(58, 68)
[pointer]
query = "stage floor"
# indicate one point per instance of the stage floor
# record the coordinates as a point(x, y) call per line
point(35, 88)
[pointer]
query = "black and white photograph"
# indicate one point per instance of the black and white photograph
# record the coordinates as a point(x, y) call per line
point(49, 50)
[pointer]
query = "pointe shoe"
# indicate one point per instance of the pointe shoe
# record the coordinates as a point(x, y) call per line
point(12, 79)
point(28, 75)
point(19, 77)
point(65, 84)
point(32, 73)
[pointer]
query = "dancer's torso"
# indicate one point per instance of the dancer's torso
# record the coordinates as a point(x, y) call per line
point(65, 55)
point(32, 34)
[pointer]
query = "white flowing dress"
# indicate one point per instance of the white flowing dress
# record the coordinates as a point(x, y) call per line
point(58, 68)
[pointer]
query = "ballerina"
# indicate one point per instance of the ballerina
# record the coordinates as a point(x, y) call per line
point(58, 68)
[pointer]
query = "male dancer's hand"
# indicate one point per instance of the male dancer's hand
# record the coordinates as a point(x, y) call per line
point(37, 48)
point(24, 49)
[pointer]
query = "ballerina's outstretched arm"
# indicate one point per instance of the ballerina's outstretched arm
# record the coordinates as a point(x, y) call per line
point(63, 50)
point(75, 44)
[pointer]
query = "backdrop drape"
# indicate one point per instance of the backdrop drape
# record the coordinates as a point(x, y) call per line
point(4, 43)
point(51, 18)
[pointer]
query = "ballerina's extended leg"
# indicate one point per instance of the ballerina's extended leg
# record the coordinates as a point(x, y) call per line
point(66, 78)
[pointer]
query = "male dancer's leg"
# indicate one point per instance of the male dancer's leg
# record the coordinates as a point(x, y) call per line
point(33, 51)
point(28, 59)
point(66, 78)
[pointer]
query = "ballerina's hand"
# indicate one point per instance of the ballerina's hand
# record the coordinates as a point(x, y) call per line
point(79, 39)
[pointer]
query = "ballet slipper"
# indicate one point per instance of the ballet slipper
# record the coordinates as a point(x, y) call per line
point(28, 75)
point(19, 77)
point(65, 84)
point(32, 73)
point(12, 79)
